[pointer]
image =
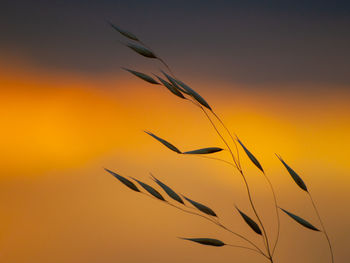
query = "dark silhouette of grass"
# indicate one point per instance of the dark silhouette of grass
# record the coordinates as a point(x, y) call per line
point(183, 91)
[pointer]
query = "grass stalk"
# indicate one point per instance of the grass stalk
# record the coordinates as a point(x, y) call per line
point(277, 214)
point(266, 241)
point(273, 193)
point(257, 249)
point(229, 133)
point(265, 238)
point(323, 227)
point(247, 186)
point(185, 92)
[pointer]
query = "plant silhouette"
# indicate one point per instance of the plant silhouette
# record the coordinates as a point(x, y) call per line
point(181, 90)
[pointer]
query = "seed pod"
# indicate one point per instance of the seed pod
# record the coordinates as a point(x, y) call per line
point(125, 181)
point(194, 94)
point(250, 222)
point(201, 207)
point(142, 76)
point(151, 190)
point(206, 241)
point(251, 156)
point(170, 87)
point(300, 220)
point(164, 142)
point(204, 151)
point(297, 179)
point(124, 32)
point(142, 50)
point(168, 190)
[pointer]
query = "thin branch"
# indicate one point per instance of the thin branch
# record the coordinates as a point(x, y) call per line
point(266, 241)
point(272, 190)
point(213, 221)
point(277, 214)
point(323, 228)
point(229, 133)
point(244, 248)
point(256, 214)
point(234, 160)
point(216, 159)
point(219, 134)
point(265, 238)
point(166, 65)
point(158, 58)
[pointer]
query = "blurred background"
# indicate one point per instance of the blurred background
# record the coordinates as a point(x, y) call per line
point(276, 72)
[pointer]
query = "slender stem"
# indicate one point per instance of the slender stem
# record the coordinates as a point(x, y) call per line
point(219, 134)
point(249, 195)
point(218, 224)
point(216, 159)
point(229, 133)
point(158, 58)
point(166, 65)
point(256, 214)
point(277, 214)
point(273, 193)
point(213, 221)
point(237, 164)
point(244, 248)
point(223, 227)
point(323, 227)
point(266, 241)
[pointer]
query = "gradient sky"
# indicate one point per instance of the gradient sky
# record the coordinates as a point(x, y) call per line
point(277, 72)
point(246, 42)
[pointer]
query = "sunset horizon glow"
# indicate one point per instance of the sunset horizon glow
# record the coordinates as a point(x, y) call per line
point(70, 110)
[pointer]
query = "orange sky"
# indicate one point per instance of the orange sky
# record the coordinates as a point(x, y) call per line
point(59, 130)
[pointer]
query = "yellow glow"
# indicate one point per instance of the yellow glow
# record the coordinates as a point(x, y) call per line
point(59, 131)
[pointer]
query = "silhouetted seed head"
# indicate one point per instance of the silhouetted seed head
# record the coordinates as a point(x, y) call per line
point(170, 87)
point(201, 207)
point(174, 83)
point(164, 142)
point(251, 156)
point(297, 179)
point(142, 76)
point(206, 241)
point(205, 151)
point(171, 193)
point(194, 94)
point(142, 50)
point(254, 226)
point(123, 32)
point(125, 181)
point(300, 220)
point(150, 190)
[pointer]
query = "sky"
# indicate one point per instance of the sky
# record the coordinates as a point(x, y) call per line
point(277, 72)
point(246, 42)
